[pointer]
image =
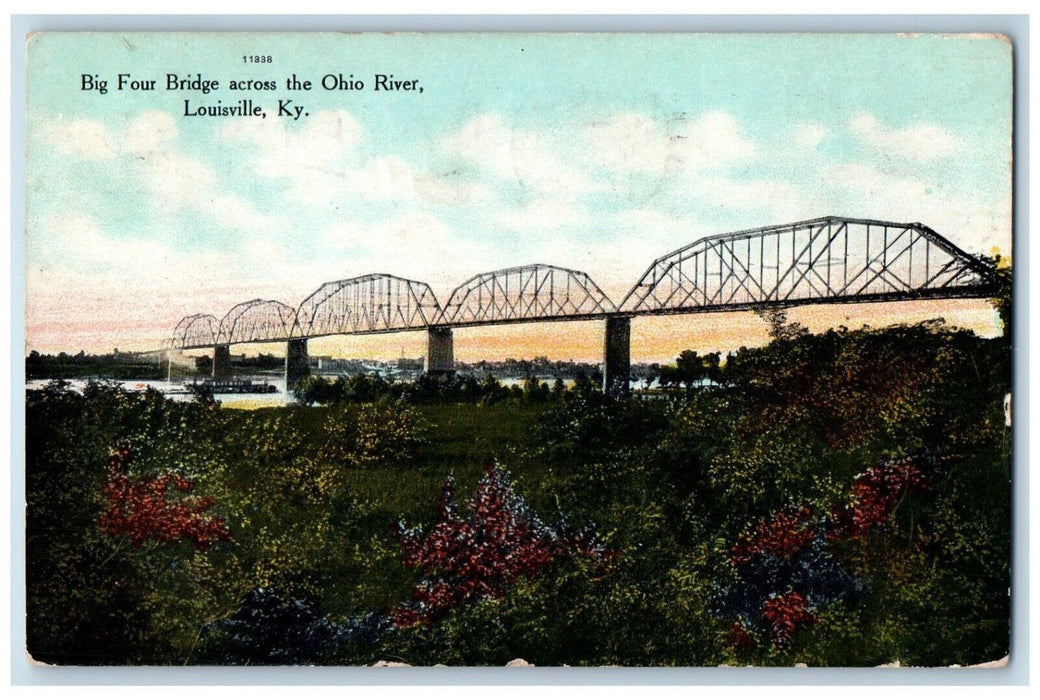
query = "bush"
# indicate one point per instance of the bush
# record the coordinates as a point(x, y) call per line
point(373, 434)
point(481, 556)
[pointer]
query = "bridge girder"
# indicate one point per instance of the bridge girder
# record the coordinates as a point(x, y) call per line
point(825, 260)
point(368, 304)
point(257, 321)
point(526, 293)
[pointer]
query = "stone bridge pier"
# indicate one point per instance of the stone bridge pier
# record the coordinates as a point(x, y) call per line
point(297, 363)
point(440, 351)
point(616, 358)
point(221, 361)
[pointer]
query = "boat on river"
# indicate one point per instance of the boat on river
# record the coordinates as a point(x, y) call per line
point(229, 386)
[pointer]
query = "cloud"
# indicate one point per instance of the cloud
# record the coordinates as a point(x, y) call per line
point(868, 183)
point(541, 215)
point(776, 199)
point(145, 135)
point(391, 178)
point(968, 218)
point(323, 161)
point(506, 152)
point(73, 241)
point(415, 245)
point(918, 141)
point(88, 287)
point(324, 147)
point(150, 133)
point(146, 149)
point(809, 136)
point(713, 140)
point(631, 143)
point(81, 138)
point(636, 143)
point(317, 158)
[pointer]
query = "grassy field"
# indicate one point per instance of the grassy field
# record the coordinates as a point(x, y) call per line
point(460, 440)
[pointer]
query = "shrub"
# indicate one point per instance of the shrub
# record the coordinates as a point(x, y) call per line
point(481, 556)
point(785, 572)
point(142, 509)
point(272, 629)
point(383, 432)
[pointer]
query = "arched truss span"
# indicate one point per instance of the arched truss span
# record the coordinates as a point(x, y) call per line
point(195, 331)
point(375, 303)
point(525, 293)
point(830, 259)
point(257, 321)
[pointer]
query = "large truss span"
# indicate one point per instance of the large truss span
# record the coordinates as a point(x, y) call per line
point(825, 260)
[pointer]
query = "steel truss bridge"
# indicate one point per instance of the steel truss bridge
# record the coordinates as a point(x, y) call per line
point(827, 260)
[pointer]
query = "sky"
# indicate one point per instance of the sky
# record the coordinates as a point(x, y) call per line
point(591, 152)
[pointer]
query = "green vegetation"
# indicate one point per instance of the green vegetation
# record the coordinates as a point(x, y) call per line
point(114, 365)
point(427, 389)
point(310, 496)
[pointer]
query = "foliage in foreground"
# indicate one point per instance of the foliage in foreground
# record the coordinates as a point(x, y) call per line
point(743, 492)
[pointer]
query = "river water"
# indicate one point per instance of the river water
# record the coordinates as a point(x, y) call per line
point(177, 391)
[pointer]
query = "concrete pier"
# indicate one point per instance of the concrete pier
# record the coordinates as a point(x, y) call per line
point(616, 358)
point(440, 351)
point(297, 363)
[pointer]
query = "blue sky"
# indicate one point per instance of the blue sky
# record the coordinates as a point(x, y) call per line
point(595, 152)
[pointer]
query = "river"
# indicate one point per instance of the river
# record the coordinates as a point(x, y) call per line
point(177, 391)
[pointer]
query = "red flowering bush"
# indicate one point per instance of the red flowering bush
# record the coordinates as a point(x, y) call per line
point(143, 509)
point(875, 494)
point(787, 532)
point(785, 571)
point(738, 637)
point(482, 555)
point(785, 614)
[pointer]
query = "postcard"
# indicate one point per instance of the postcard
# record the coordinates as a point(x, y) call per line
point(585, 350)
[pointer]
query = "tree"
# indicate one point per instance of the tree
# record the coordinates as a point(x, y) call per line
point(779, 328)
point(558, 389)
point(204, 364)
point(689, 367)
point(582, 384)
point(692, 369)
point(1002, 300)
